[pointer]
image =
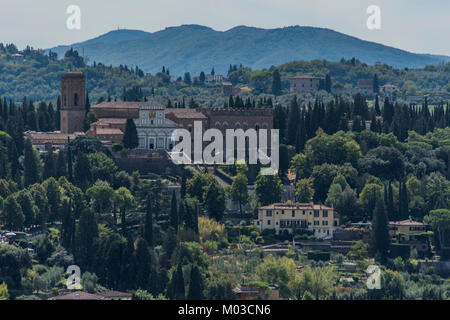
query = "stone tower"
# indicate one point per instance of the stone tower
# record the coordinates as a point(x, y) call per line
point(73, 102)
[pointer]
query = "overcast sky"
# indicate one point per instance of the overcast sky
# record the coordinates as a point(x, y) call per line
point(416, 25)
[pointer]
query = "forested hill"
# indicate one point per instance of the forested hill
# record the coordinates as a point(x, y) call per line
point(195, 48)
point(37, 76)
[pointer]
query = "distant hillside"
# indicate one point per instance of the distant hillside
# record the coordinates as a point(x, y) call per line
point(197, 48)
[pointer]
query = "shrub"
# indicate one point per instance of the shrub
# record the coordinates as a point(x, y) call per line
point(399, 250)
point(318, 255)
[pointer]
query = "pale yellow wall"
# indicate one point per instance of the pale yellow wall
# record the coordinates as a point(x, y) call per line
point(320, 224)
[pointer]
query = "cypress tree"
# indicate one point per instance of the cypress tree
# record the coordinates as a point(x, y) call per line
point(69, 162)
point(174, 212)
point(276, 83)
point(380, 239)
point(130, 138)
point(49, 165)
point(142, 264)
point(61, 165)
point(177, 284)
point(195, 291)
point(148, 225)
point(293, 121)
point(390, 202)
point(83, 174)
point(30, 172)
point(183, 184)
point(86, 234)
point(376, 87)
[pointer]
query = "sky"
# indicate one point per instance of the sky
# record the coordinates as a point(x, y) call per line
point(419, 26)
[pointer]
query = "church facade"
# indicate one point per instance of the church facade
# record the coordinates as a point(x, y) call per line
point(154, 130)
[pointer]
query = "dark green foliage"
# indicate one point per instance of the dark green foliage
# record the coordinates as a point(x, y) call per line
point(31, 165)
point(196, 284)
point(130, 138)
point(399, 250)
point(174, 212)
point(177, 286)
point(87, 232)
point(276, 83)
point(318, 255)
point(380, 239)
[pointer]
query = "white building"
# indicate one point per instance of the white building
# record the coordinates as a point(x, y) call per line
point(153, 129)
point(320, 219)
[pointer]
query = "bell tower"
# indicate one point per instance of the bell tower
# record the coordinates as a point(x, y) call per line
point(73, 102)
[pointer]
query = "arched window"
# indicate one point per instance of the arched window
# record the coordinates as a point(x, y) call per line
point(75, 99)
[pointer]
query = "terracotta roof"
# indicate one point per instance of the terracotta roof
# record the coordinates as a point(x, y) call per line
point(118, 104)
point(79, 295)
point(111, 120)
point(407, 222)
point(53, 136)
point(185, 113)
point(305, 206)
point(115, 294)
point(109, 131)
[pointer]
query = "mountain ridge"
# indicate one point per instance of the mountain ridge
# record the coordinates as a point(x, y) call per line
point(196, 48)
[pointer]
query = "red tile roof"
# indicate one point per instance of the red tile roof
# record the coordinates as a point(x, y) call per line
point(296, 205)
point(185, 113)
point(407, 222)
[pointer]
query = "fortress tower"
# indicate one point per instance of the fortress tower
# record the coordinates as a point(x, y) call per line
point(73, 102)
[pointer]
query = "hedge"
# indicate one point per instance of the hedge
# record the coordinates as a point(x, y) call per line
point(400, 250)
point(318, 255)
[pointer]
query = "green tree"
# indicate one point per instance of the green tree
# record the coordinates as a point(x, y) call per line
point(379, 238)
point(177, 285)
point(215, 201)
point(196, 284)
point(239, 192)
point(304, 190)
point(28, 207)
point(102, 194)
point(87, 233)
point(143, 264)
point(439, 220)
point(102, 167)
point(130, 138)
point(30, 164)
point(281, 271)
point(49, 165)
point(174, 212)
point(298, 165)
point(276, 83)
point(12, 216)
point(268, 189)
point(83, 175)
point(125, 201)
point(318, 281)
point(196, 186)
point(369, 196)
point(53, 193)
point(148, 224)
